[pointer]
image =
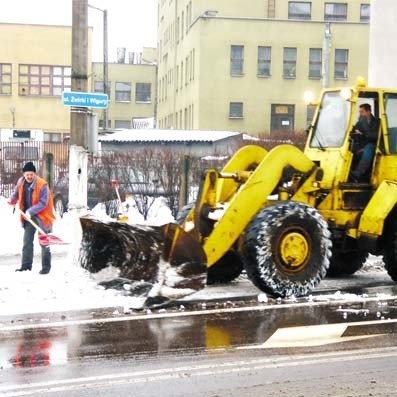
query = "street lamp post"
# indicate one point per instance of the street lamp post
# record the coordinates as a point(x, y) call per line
point(105, 61)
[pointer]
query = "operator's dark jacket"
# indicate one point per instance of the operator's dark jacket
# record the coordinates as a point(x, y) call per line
point(369, 130)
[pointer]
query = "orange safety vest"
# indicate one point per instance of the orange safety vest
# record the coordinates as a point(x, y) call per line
point(46, 216)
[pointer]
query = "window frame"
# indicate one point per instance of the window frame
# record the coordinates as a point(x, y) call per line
point(240, 114)
point(316, 63)
point(328, 17)
point(338, 63)
point(43, 80)
point(365, 18)
point(122, 121)
point(137, 85)
point(119, 92)
point(300, 16)
point(236, 60)
point(98, 87)
point(291, 62)
point(4, 84)
point(264, 62)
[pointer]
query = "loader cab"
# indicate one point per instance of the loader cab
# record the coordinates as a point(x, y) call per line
point(329, 143)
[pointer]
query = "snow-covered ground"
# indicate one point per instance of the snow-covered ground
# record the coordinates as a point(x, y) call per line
point(67, 286)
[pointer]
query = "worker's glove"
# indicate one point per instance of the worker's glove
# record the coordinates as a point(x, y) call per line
point(27, 215)
point(9, 202)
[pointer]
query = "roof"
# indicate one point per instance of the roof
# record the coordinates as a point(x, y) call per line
point(148, 135)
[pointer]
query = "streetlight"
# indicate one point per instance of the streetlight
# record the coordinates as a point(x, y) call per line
point(105, 60)
point(12, 110)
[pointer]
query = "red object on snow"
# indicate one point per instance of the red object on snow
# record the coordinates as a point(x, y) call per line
point(50, 239)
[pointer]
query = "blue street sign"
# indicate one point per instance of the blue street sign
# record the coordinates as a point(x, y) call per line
point(85, 100)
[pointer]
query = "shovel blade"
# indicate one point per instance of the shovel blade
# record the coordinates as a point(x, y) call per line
point(50, 239)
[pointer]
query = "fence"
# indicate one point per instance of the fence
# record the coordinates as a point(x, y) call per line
point(14, 155)
point(144, 173)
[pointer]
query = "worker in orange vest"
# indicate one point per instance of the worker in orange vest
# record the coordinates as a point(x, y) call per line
point(35, 201)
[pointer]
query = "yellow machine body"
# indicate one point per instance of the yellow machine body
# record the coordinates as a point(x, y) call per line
point(253, 178)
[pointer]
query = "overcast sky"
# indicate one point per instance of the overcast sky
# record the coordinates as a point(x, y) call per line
point(131, 23)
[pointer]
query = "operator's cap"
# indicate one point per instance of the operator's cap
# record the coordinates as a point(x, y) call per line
point(29, 167)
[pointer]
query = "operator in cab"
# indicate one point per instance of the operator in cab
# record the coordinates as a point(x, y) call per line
point(365, 135)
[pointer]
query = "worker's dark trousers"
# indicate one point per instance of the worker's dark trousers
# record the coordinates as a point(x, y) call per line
point(365, 162)
point(27, 250)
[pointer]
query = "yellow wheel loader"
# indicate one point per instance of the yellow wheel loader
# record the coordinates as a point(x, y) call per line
point(288, 217)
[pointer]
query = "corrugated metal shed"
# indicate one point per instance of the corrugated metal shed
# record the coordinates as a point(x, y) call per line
point(145, 135)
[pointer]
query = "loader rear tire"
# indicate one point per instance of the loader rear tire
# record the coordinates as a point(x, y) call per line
point(286, 249)
point(390, 247)
point(346, 263)
point(228, 268)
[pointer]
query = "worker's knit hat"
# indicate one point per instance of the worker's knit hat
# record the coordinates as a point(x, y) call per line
point(29, 166)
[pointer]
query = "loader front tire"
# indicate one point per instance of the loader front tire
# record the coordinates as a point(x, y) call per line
point(286, 249)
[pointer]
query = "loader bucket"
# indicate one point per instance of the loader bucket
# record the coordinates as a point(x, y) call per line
point(168, 261)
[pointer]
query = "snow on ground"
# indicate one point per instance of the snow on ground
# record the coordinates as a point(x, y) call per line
point(67, 287)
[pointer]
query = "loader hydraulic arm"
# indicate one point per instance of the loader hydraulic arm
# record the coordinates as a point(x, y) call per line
point(250, 197)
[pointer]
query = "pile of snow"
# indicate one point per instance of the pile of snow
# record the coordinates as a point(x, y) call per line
point(67, 286)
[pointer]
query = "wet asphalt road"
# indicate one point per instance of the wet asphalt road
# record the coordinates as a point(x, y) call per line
point(305, 348)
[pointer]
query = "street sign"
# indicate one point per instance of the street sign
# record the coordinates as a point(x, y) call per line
point(85, 99)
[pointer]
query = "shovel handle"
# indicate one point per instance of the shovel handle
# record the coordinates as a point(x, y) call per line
point(34, 224)
point(116, 188)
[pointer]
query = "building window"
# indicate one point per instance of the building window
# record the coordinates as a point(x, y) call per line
point(98, 87)
point(236, 60)
point(282, 118)
point(289, 64)
point(365, 13)
point(123, 92)
point(44, 80)
point(335, 12)
point(299, 10)
point(53, 137)
point(102, 123)
point(341, 63)
point(5, 79)
point(315, 63)
point(264, 61)
point(236, 110)
point(122, 124)
point(143, 93)
point(311, 109)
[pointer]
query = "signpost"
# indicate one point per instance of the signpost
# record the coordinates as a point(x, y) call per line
point(85, 100)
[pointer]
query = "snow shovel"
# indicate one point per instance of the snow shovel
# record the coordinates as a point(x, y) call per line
point(123, 217)
point(45, 239)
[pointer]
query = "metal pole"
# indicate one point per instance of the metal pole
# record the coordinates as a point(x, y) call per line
point(326, 55)
point(105, 65)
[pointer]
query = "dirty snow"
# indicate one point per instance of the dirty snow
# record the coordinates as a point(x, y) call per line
point(68, 286)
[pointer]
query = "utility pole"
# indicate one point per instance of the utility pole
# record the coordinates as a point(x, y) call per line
point(105, 66)
point(326, 54)
point(78, 157)
point(78, 117)
point(105, 72)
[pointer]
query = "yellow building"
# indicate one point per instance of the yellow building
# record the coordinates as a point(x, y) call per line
point(35, 67)
point(131, 90)
point(232, 65)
